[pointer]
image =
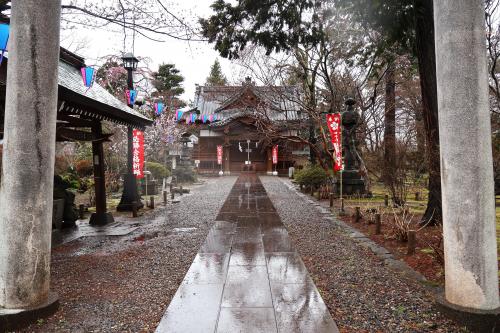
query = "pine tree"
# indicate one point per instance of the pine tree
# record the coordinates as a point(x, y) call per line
point(168, 80)
point(216, 77)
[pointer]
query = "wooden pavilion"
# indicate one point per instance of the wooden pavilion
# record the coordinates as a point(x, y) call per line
point(81, 111)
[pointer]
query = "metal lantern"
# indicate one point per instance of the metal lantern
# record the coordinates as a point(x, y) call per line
point(129, 61)
point(185, 141)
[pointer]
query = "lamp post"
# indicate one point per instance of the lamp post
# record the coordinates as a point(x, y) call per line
point(129, 195)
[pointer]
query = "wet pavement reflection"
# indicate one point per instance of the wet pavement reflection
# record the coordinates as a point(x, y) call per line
point(247, 276)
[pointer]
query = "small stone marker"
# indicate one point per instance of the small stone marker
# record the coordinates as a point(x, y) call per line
point(373, 211)
point(134, 209)
point(331, 199)
point(81, 212)
point(378, 224)
point(357, 215)
point(386, 200)
point(152, 202)
point(412, 242)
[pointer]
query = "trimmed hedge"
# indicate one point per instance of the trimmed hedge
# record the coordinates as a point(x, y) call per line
point(158, 171)
point(312, 175)
point(185, 174)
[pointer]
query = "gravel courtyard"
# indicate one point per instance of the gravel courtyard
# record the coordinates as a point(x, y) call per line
point(124, 284)
point(362, 294)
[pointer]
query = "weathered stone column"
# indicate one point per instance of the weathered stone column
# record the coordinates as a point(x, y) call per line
point(466, 155)
point(28, 154)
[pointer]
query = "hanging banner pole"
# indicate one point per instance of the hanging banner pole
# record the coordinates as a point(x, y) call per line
point(334, 122)
point(138, 153)
point(275, 159)
point(219, 158)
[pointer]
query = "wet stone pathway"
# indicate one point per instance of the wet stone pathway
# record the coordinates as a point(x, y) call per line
point(247, 276)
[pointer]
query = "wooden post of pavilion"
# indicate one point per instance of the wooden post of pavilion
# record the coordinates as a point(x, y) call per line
point(101, 216)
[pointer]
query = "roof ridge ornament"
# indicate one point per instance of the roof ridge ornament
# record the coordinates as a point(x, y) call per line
point(248, 82)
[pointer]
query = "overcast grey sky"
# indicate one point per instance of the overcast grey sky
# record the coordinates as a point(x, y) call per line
point(192, 58)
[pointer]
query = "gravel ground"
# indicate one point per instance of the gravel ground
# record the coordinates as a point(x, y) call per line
point(124, 284)
point(363, 295)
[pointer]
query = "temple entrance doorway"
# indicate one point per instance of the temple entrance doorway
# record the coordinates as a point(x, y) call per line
point(247, 155)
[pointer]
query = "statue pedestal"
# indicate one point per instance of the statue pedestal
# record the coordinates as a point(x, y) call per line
point(352, 183)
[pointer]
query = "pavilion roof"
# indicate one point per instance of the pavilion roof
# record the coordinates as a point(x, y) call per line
point(92, 103)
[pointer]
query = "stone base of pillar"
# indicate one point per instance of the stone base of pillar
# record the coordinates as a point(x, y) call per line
point(129, 194)
point(352, 183)
point(101, 218)
point(16, 319)
point(475, 320)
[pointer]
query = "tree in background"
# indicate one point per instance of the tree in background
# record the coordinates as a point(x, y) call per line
point(162, 134)
point(389, 169)
point(151, 19)
point(216, 77)
point(400, 27)
point(112, 76)
point(275, 25)
point(321, 66)
point(168, 82)
point(167, 88)
point(407, 26)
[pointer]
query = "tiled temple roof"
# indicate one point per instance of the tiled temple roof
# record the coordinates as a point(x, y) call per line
point(277, 102)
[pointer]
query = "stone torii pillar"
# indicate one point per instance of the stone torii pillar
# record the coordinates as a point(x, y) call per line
point(466, 159)
point(28, 155)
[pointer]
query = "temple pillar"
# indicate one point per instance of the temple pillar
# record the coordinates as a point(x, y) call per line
point(26, 195)
point(227, 157)
point(466, 156)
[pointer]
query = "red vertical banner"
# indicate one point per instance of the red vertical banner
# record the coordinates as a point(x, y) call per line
point(219, 155)
point(275, 154)
point(138, 153)
point(334, 122)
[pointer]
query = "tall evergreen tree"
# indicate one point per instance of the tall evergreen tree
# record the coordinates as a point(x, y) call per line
point(168, 80)
point(216, 77)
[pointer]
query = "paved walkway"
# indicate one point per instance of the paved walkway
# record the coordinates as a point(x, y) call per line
point(247, 276)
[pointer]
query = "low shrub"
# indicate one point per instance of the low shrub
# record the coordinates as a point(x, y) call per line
point(185, 174)
point(158, 171)
point(84, 168)
point(313, 175)
point(85, 184)
point(71, 180)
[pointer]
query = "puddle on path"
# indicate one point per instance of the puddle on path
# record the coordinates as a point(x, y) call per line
point(183, 230)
